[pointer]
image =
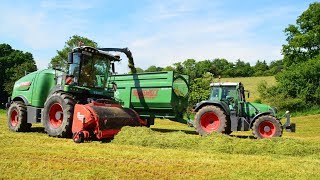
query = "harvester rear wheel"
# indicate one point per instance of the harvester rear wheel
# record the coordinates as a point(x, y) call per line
point(210, 119)
point(17, 117)
point(266, 127)
point(58, 114)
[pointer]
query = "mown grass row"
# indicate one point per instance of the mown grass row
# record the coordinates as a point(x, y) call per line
point(216, 143)
point(163, 152)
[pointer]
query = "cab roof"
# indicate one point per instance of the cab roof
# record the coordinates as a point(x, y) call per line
point(225, 84)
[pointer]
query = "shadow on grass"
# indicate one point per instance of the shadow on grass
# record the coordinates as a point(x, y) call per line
point(37, 129)
point(195, 133)
point(174, 130)
point(243, 136)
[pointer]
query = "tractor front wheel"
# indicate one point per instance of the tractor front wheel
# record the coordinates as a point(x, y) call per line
point(58, 114)
point(266, 127)
point(210, 119)
point(17, 117)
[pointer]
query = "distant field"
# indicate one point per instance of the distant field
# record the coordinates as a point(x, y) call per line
point(163, 152)
point(251, 84)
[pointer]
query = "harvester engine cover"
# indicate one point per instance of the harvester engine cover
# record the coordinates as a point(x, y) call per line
point(101, 120)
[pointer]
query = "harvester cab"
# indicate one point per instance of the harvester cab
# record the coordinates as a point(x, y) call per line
point(227, 110)
point(78, 102)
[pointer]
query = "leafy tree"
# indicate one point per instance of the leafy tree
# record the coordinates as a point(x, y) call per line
point(139, 70)
point(242, 69)
point(200, 88)
point(304, 37)
point(275, 67)
point(189, 66)
point(203, 67)
point(221, 67)
point(261, 68)
point(13, 65)
point(169, 68)
point(298, 85)
point(61, 59)
point(153, 69)
point(178, 68)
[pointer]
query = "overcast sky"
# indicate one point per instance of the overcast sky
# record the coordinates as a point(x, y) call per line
point(158, 32)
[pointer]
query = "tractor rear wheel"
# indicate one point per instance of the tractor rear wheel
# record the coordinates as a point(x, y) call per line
point(210, 119)
point(266, 127)
point(58, 114)
point(17, 117)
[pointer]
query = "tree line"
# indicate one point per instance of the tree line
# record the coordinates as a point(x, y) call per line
point(220, 67)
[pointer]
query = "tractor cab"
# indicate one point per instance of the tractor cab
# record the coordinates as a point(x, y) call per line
point(89, 69)
point(230, 93)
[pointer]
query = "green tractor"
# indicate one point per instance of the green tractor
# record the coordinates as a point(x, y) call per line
point(227, 111)
point(85, 94)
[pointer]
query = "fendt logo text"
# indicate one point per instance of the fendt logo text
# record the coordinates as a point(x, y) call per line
point(146, 94)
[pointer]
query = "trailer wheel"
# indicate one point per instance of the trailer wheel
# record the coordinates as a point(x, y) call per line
point(210, 119)
point(58, 114)
point(266, 127)
point(17, 117)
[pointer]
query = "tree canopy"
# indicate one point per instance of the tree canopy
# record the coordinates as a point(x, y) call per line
point(298, 85)
point(304, 37)
point(13, 65)
point(61, 59)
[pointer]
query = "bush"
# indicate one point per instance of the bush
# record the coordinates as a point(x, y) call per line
point(297, 88)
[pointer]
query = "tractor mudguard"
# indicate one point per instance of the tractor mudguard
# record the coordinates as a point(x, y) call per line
point(258, 115)
point(19, 98)
point(220, 104)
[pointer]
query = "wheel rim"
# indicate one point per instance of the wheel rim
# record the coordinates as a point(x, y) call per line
point(267, 129)
point(14, 118)
point(56, 115)
point(210, 122)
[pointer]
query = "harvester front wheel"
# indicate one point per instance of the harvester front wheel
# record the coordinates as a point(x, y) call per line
point(17, 117)
point(266, 127)
point(58, 114)
point(210, 119)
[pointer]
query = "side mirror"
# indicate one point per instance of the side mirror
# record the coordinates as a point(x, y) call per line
point(248, 94)
point(112, 68)
point(70, 58)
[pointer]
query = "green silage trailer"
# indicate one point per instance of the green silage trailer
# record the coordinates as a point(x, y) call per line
point(153, 95)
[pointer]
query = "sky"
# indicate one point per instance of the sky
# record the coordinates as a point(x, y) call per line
point(158, 32)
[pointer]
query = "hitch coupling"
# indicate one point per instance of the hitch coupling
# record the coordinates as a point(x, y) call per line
point(290, 127)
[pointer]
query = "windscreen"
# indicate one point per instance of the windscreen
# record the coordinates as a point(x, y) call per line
point(89, 70)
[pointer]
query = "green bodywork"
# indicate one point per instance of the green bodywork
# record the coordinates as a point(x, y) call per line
point(34, 87)
point(159, 94)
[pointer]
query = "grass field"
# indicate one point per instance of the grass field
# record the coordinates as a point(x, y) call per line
point(168, 151)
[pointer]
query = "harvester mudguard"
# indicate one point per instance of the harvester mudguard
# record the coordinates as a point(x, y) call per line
point(102, 120)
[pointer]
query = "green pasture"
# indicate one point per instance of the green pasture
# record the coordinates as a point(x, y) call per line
point(168, 150)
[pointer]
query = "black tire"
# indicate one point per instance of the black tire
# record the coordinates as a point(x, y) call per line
point(17, 117)
point(228, 130)
point(57, 105)
point(210, 119)
point(266, 127)
point(78, 137)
